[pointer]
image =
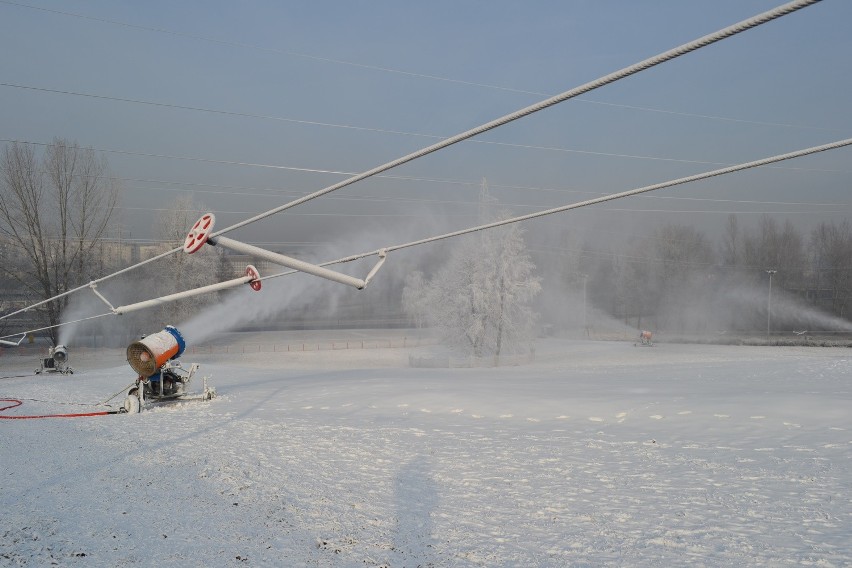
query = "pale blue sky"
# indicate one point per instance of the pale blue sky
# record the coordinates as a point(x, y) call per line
point(433, 68)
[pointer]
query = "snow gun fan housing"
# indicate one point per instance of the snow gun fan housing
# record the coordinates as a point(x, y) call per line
point(147, 355)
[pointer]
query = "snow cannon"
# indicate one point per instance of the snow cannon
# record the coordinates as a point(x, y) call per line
point(60, 354)
point(161, 379)
point(147, 355)
point(56, 361)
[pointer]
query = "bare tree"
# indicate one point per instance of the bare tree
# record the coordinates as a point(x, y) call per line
point(685, 259)
point(55, 210)
point(732, 242)
point(831, 247)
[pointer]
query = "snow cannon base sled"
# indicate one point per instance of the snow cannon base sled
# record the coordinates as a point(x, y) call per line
point(161, 376)
point(169, 384)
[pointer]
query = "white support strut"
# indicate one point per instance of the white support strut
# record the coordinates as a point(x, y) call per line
point(94, 288)
point(251, 278)
point(293, 263)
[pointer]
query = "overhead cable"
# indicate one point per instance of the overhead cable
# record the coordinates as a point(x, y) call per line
point(371, 67)
point(704, 41)
point(605, 198)
point(689, 47)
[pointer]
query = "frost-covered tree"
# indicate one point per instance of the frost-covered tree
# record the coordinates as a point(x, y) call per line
point(415, 301)
point(481, 299)
point(831, 250)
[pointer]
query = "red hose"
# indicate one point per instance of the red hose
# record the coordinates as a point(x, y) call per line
point(17, 403)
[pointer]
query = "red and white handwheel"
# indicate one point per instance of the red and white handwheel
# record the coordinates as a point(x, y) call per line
point(255, 282)
point(199, 233)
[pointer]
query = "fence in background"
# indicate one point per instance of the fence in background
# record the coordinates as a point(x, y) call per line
point(304, 346)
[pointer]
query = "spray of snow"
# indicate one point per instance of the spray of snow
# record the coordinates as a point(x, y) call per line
point(245, 306)
point(85, 304)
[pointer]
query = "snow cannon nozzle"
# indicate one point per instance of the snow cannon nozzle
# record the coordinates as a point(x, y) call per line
point(60, 354)
point(147, 355)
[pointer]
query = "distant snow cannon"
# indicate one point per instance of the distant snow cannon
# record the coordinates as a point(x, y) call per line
point(645, 338)
point(56, 362)
point(161, 376)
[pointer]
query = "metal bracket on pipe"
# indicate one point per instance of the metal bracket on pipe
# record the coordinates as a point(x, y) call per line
point(94, 288)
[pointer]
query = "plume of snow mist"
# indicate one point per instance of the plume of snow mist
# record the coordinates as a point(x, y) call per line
point(112, 330)
point(244, 306)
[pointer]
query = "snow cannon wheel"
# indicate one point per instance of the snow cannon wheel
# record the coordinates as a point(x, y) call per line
point(131, 402)
point(199, 233)
point(255, 282)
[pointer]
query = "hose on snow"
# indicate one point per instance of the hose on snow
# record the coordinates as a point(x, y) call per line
point(14, 403)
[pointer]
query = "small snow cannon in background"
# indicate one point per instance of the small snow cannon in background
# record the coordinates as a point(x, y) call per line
point(161, 376)
point(645, 338)
point(56, 362)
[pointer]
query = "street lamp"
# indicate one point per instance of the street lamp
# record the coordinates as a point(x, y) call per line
point(769, 304)
point(585, 323)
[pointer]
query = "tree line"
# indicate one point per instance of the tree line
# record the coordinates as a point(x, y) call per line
point(678, 279)
point(57, 209)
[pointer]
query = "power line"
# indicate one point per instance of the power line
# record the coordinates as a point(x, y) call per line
point(643, 65)
point(192, 159)
point(351, 127)
point(389, 177)
point(379, 68)
point(612, 197)
point(615, 196)
point(212, 111)
point(277, 192)
point(508, 206)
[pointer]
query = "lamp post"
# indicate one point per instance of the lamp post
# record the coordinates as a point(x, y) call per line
point(585, 323)
point(769, 304)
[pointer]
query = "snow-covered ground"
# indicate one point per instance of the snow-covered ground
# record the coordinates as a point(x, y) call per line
point(599, 453)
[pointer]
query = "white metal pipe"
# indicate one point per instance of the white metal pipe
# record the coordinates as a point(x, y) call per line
point(186, 294)
point(287, 261)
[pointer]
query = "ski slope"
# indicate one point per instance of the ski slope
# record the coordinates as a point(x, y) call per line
point(598, 453)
